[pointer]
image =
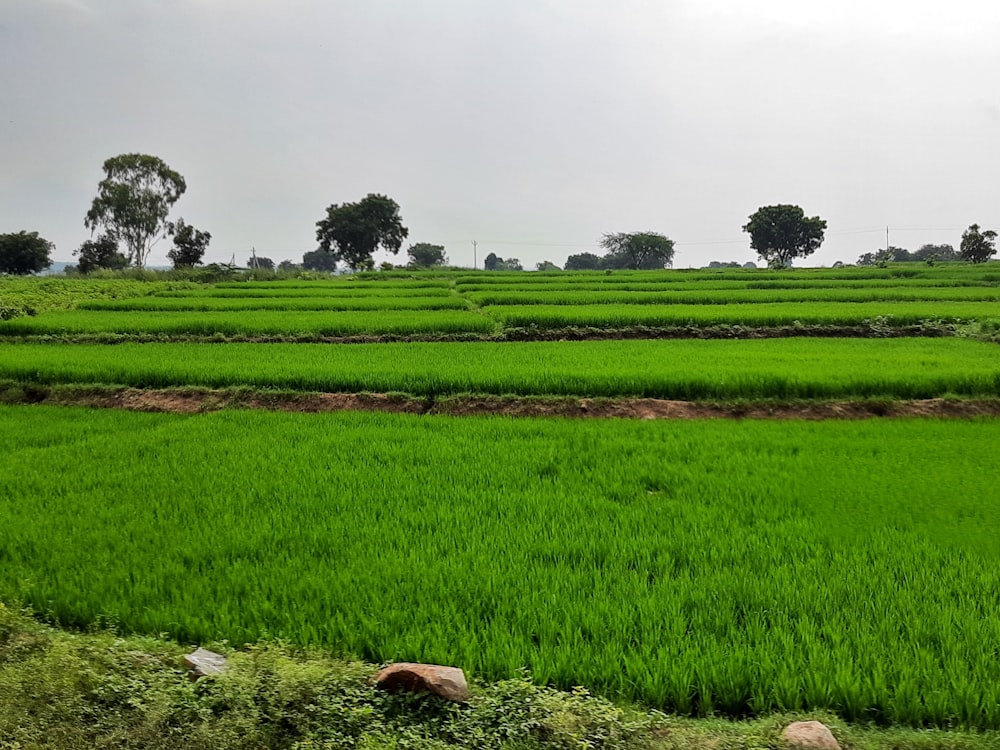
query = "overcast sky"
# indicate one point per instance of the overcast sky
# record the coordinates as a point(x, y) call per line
point(531, 126)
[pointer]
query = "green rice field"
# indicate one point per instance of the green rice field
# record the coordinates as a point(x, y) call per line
point(700, 567)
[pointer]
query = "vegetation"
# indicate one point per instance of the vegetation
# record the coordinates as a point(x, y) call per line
point(352, 232)
point(696, 566)
point(101, 253)
point(133, 201)
point(782, 233)
point(190, 245)
point(977, 246)
point(22, 253)
point(637, 250)
point(426, 255)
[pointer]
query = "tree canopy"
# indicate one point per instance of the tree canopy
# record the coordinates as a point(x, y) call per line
point(260, 263)
point(637, 250)
point(424, 254)
point(782, 233)
point(100, 253)
point(978, 246)
point(189, 245)
point(22, 253)
point(133, 201)
point(583, 262)
point(352, 232)
point(319, 260)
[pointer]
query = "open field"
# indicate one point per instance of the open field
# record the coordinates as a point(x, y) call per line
point(697, 566)
point(675, 369)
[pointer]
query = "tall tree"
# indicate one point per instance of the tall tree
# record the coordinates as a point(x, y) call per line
point(425, 254)
point(977, 246)
point(352, 232)
point(782, 233)
point(319, 260)
point(133, 201)
point(189, 245)
point(637, 250)
point(100, 253)
point(22, 253)
point(583, 262)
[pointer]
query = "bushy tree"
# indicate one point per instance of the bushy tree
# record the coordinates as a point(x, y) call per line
point(492, 261)
point(935, 252)
point(424, 254)
point(22, 253)
point(637, 250)
point(100, 253)
point(782, 233)
point(583, 262)
point(319, 260)
point(289, 266)
point(133, 201)
point(260, 263)
point(978, 246)
point(547, 265)
point(190, 245)
point(352, 232)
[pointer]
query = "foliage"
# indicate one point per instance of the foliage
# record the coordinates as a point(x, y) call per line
point(978, 247)
point(190, 244)
point(547, 265)
point(101, 253)
point(319, 260)
point(22, 253)
point(782, 233)
point(726, 587)
point(352, 232)
point(583, 262)
point(637, 250)
point(494, 262)
point(425, 255)
point(260, 263)
point(935, 252)
point(289, 266)
point(491, 262)
point(133, 201)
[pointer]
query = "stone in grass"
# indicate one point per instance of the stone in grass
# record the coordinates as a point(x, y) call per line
point(809, 735)
point(446, 682)
point(204, 663)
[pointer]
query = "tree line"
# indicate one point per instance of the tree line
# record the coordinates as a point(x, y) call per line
point(130, 213)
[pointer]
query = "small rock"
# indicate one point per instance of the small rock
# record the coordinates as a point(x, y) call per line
point(203, 663)
point(447, 682)
point(809, 735)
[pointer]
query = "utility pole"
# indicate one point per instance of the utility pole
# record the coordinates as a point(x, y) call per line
point(887, 240)
point(475, 262)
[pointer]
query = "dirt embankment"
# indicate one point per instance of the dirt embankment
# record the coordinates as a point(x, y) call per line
point(192, 401)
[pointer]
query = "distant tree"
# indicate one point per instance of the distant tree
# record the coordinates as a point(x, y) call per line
point(353, 231)
point(319, 260)
point(189, 244)
point(100, 253)
point(289, 266)
point(935, 252)
point(883, 256)
point(491, 262)
point(547, 265)
point(723, 264)
point(425, 255)
point(978, 247)
point(133, 201)
point(511, 264)
point(259, 262)
point(782, 233)
point(583, 262)
point(750, 265)
point(637, 250)
point(22, 253)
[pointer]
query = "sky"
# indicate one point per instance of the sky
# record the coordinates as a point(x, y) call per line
point(532, 127)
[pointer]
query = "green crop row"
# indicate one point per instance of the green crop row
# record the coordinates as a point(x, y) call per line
point(250, 323)
point(325, 291)
point(680, 369)
point(747, 314)
point(701, 296)
point(39, 294)
point(330, 303)
point(700, 567)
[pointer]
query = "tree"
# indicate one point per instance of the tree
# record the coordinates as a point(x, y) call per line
point(260, 263)
point(100, 253)
point(133, 201)
point(977, 247)
point(189, 245)
point(547, 265)
point(637, 250)
point(353, 231)
point(319, 260)
point(289, 266)
point(935, 252)
point(492, 261)
point(426, 255)
point(782, 233)
point(583, 262)
point(22, 253)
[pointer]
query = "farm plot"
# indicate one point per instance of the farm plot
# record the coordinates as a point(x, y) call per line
point(675, 369)
point(700, 567)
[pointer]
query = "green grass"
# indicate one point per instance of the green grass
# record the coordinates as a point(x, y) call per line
point(701, 567)
point(291, 304)
point(680, 369)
